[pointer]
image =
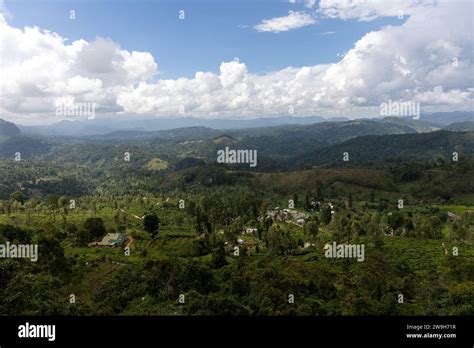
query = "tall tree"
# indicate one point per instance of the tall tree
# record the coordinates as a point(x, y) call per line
point(95, 227)
point(151, 224)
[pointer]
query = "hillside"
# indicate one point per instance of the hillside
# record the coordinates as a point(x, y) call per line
point(8, 129)
point(387, 149)
point(445, 118)
point(461, 126)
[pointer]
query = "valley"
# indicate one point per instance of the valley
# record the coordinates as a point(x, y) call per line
point(199, 237)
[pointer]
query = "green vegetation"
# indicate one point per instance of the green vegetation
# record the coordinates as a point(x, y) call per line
point(227, 238)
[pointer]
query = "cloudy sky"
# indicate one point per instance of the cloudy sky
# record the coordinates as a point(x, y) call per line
point(233, 59)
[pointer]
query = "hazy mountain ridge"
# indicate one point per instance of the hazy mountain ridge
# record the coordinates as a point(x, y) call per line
point(104, 126)
point(460, 126)
point(427, 122)
point(280, 147)
point(8, 129)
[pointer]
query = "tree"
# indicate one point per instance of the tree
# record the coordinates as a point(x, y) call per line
point(218, 256)
point(51, 257)
point(95, 227)
point(311, 227)
point(52, 201)
point(326, 215)
point(62, 202)
point(199, 229)
point(460, 228)
point(295, 199)
point(18, 196)
point(151, 224)
point(279, 240)
point(71, 229)
point(319, 193)
point(395, 220)
point(307, 202)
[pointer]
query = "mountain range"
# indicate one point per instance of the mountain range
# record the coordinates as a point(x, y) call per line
point(280, 146)
point(107, 125)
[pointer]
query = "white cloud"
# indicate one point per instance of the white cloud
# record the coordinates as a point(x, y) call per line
point(39, 69)
point(438, 96)
point(294, 20)
point(413, 61)
point(367, 10)
point(427, 59)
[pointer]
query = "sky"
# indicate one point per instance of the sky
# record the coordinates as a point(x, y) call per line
point(233, 59)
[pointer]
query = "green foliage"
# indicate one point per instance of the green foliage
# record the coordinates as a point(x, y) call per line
point(409, 251)
point(94, 228)
point(151, 224)
point(326, 215)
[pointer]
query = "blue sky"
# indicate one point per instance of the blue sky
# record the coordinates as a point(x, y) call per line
point(212, 32)
point(298, 58)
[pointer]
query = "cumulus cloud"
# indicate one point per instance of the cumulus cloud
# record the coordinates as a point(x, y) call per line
point(427, 58)
point(40, 69)
point(294, 20)
point(367, 10)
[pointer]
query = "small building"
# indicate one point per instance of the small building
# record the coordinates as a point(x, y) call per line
point(300, 222)
point(110, 240)
point(451, 216)
point(250, 230)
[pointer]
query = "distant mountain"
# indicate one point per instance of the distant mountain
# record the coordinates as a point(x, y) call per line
point(105, 125)
point(25, 145)
point(291, 140)
point(420, 126)
point(460, 126)
point(386, 149)
point(445, 118)
point(276, 146)
point(8, 129)
point(71, 128)
point(12, 141)
point(224, 140)
point(178, 134)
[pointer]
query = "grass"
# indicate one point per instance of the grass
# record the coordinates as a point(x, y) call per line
point(157, 164)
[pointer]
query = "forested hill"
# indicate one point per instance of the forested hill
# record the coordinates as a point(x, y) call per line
point(386, 149)
point(13, 142)
point(8, 129)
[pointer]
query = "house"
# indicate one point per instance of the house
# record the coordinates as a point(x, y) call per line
point(451, 216)
point(287, 215)
point(300, 222)
point(249, 230)
point(110, 240)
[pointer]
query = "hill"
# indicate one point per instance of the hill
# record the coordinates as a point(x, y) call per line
point(386, 149)
point(461, 126)
point(445, 118)
point(26, 146)
point(8, 129)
